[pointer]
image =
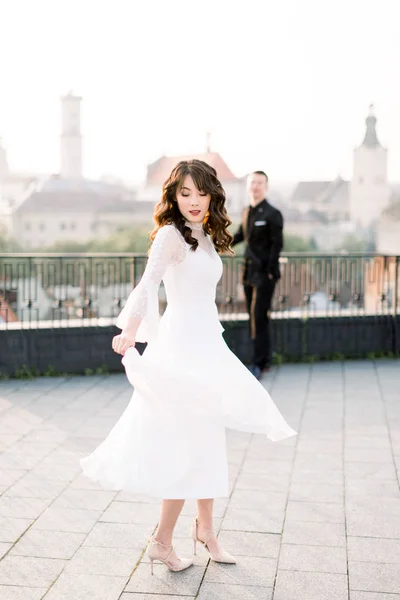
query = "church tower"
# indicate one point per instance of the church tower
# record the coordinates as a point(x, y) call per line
point(369, 189)
point(71, 139)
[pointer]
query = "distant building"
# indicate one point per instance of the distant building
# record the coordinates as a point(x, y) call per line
point(388, 228)
point(369, 190)
point(328, 198)
point(71, 138)
point(70, 210)
point(158, 172)
point(348, 207)
point(39, 211)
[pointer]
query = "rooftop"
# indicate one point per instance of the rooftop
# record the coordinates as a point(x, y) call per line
point(159, 171)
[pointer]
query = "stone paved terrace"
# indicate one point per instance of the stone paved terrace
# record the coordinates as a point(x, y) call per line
point(316, 517)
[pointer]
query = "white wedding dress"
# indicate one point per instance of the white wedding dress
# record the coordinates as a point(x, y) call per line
point(188, 386)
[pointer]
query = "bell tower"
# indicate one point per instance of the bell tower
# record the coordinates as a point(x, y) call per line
point(71, 139)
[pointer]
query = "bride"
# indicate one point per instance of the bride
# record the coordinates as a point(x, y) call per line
point(188, 386)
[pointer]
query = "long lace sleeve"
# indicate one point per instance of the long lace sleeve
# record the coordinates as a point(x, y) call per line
point(142, 303)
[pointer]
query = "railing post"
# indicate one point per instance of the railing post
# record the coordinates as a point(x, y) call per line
point(396, 286)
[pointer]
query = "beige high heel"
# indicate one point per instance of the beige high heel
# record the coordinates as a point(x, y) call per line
point(222, 556)
point(153, 552)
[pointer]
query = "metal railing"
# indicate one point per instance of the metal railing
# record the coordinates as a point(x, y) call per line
point(50, 290)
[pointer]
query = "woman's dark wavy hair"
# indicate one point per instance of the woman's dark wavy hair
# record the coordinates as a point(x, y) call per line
point(216, 222)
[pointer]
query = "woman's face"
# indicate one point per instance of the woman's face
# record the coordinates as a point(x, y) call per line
point(192, 203)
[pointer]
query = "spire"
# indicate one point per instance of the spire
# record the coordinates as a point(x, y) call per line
point(370, 138)
point(208, 147)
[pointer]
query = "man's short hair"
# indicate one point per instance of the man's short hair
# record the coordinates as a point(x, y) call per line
point(260, 173)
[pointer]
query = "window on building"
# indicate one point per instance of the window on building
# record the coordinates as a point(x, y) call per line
point(361, 180)
point(27, 226)
point(42, 226)
point(62, 226)
point(72, 226)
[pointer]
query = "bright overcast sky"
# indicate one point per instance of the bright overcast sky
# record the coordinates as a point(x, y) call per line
point(283, 85)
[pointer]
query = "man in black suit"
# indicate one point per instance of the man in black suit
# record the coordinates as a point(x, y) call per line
point(262, 231)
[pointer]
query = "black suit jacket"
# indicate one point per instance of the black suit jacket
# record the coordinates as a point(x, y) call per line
point(262, 230)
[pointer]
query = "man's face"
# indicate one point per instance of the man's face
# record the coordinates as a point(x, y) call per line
point(257, 187)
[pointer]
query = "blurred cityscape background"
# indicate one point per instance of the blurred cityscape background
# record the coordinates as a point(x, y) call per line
point(67, 212)
point(304, 91)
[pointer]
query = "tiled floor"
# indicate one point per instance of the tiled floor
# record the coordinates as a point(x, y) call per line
point(313, 517)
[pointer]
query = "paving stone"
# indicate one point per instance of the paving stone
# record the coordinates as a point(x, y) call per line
point(33, 486)
point(374, 517)
point(7, 440)
point(64, 519)
point(382, 550)
point(249, 570)
point(313, 558)
point(48, 469)
point(103, 561)
point(258, 500)
point(10, 476)
point(270, 521)
point(29, 572)
point(316, 492)
point(330, 462)
point(139, 596)
point(312, 446)
point(164, 581)
point(10, 592)
point(222, 591)
point(293, 585)
point(374, 577)
point(372, 596)
point(366, 441)
point(314, 534)
point(11, 529)
point(242, 543)
point(128, 512)
point(81, 482)
point(48, 544)
point(4, 548)
point(320, 476)
point(118, 535)
point(267, 467)
point(379, 488)
point(263, 482)
point(364, 470)
point(27, 508)
point(321, 512)
point(264, 449)
point(82, 587)
point(369, 455)
point(84, 499)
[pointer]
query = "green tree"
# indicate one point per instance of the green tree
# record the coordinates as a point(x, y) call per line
point(129, 239)
point(7, 244)
point(295, 243)
point(352, 243)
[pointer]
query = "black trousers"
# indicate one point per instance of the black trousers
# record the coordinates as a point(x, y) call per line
point(259, 301)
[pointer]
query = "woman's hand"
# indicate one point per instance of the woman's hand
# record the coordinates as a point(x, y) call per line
point(122, 342)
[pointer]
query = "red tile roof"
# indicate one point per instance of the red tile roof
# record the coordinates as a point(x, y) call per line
point(159, 171)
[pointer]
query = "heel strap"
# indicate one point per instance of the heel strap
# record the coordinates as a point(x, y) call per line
point(210, 531)
point(156, 543)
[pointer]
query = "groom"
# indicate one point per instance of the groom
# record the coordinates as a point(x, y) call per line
point(262, 231)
